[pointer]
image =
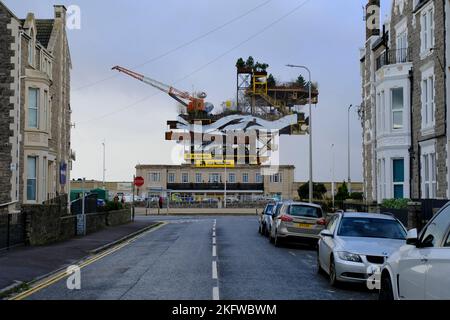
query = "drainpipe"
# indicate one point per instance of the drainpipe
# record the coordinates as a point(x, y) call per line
point(19, 137)
point(411, 148)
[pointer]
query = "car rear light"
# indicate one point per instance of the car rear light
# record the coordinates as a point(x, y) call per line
point(321, 221)
point(286, 218)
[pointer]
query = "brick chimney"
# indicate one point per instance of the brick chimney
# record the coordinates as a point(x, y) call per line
point(372, 18)
point(60, 13)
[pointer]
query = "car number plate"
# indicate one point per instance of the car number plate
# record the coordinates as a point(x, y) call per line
point(304, 225)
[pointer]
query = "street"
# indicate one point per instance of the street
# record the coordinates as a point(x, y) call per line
point(182, 260)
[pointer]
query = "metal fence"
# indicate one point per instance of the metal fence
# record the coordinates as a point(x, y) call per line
point(12, 230)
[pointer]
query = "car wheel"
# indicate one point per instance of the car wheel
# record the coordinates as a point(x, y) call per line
point(319, 268)
point(386, 291)
point(333, 280)
point(277, 241)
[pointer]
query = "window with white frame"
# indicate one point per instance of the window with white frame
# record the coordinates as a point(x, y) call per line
point(184, 177)
point(402, 44)
point(198, 178)
point(276, 178)
point(33, 108)
point(428, 103)
point(378, 107)
point(245, 177)
point(214, 178)
point(155, 176)
point(171, 177)
point(398, 177)
point(232, 178)
point(383, 112)
point(45, 115)
point(32, 178)
point(427, 29)
point(258, 178)
point(397, 108)
point(429, 184)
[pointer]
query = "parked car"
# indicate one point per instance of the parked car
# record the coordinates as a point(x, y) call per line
point(421, 268)
point(297, 221)
point(269, 218)
point(232, 199)
point(263, 218)
point(354, 244)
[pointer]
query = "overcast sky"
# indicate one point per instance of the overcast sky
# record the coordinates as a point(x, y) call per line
point(325, 35)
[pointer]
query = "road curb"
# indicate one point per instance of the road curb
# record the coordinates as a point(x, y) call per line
point(123, 239)
point(11, 289)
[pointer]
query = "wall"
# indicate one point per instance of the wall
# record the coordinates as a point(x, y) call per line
point(6, 40)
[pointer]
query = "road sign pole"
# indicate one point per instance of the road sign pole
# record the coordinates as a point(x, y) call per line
point(132, 204)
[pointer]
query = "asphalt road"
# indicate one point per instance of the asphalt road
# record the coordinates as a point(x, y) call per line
point(183, 260)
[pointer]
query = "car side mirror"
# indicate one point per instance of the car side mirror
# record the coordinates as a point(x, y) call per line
point(326, 233)
point(412, 238)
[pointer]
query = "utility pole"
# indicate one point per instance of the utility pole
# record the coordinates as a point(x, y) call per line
point(310, 133)
point(332, 175)
point(104, 164)
point(348, 151)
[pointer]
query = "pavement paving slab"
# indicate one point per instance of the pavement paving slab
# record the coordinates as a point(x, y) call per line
point(24, 264)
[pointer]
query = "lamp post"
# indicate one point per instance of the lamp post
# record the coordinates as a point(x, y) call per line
point(310, 132)
point(348, 150)
point(104, 163)
point(332, 175)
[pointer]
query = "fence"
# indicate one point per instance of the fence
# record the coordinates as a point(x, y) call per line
point(12, 230)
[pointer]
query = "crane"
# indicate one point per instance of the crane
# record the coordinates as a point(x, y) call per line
point(193, 104)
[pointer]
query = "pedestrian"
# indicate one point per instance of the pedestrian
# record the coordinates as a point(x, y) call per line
point(123, 200)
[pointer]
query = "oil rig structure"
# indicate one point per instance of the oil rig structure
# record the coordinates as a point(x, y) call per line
point(244, 132)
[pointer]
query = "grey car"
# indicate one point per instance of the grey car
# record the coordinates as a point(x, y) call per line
point(263, 218)
point(297, 221)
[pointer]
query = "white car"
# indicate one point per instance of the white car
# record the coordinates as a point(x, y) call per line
point(420, 270)
point(354, 246)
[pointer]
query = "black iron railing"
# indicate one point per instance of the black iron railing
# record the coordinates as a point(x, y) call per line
point(215, 186)
point(392, 57)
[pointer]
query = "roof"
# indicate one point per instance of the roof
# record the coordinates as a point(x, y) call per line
point(368, 215)
point(44, 30)
point(304, 204)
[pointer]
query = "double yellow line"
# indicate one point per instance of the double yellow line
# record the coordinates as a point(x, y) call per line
point(63, 274)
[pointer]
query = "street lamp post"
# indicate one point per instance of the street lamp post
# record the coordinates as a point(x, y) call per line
point(348, 150)
point(332, 175)
point(104, 164)
point(310, 132)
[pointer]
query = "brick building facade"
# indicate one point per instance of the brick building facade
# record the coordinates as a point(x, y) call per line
point(404, 109)
point(35, 154)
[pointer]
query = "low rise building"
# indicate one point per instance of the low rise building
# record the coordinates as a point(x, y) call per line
point(244, 181)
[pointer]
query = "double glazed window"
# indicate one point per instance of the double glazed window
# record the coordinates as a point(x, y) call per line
point(31, 178)
point(171, 177)
point(397, 108)
point(184, 177)
point(155, 177)
point(198, 178)
point(214, 178)
point(245, 177)
point(232, 178)
point(258, 178)
point(428, 107)
point(33, 108)
point(429, 176)
point(398, 175)
point(427, 30)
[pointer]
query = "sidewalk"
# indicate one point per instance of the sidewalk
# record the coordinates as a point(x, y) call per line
point(25, 264)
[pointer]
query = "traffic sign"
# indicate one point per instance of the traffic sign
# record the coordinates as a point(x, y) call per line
point(138, 181)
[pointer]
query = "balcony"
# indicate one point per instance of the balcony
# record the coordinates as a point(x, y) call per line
point(216, 186)
point(392, 57)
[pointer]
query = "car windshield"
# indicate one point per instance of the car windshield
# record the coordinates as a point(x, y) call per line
point(268, 209)
point(371, 228)
point(304, 211)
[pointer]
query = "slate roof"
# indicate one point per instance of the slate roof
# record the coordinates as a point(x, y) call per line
point(44, 30)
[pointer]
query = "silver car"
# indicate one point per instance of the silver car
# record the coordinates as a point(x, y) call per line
point(297, 221)
point(355, 245)
point(264, 218)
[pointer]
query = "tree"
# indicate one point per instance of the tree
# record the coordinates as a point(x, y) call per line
point(319, 190)
point(342, 193)
point(301, 81)
point(240, 63)
point(250, 63)
point(261, 67)
point(271, 82)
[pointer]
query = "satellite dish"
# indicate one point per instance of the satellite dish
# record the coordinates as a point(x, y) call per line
point(209, 107)
point(202, 95)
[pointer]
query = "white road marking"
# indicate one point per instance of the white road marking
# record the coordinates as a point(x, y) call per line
point(215, 293)
point(214, 240)
point(214, 270)
point(214, 253)
point(292, 254)
point(214, 233)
